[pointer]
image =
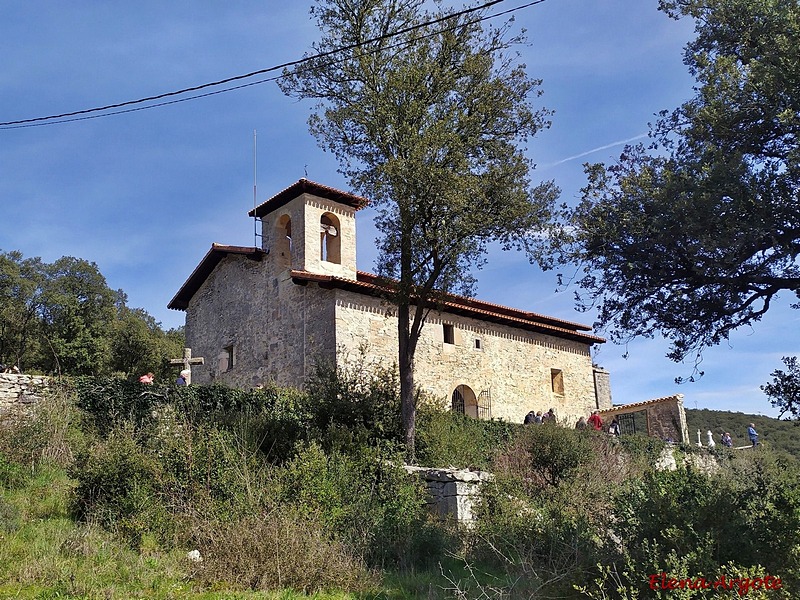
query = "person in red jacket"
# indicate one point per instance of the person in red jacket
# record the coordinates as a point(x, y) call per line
point(596, 420)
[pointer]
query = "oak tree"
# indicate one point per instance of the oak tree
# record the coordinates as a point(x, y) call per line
point(62, 318)
point(784, 389)
point(696, 234)
point(427, 113)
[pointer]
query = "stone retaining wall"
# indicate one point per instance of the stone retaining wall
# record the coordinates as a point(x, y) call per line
point(18, 392)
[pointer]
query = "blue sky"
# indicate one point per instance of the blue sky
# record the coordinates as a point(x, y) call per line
point(144, 194)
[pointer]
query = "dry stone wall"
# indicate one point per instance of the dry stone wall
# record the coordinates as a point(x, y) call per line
point(18, 392)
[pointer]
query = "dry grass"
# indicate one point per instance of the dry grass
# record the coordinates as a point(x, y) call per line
point(279, 550)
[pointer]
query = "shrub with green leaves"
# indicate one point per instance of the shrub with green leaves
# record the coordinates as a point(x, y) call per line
point(118, 485)
point(542, 517)
point(368, 501)
point(160, 479)
point(746, 513)
point(446, 438)
point(354, 404)
point(11, 473)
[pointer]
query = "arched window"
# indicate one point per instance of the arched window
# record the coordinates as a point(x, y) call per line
point(283, 240)
point(330, 239)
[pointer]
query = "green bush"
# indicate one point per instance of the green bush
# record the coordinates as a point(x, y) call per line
point(643, 450)
point(699, 522)
point(11, 474)
point(354, 404)
point(541, 541)
point(118, 485)
point(543, 519)
point(161, 480)
point(546, 456)
point(445, 438)
point(367, 501)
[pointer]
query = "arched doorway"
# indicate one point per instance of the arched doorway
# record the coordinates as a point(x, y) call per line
point(464, 401)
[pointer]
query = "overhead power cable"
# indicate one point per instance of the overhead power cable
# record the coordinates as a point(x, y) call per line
point(87, 113)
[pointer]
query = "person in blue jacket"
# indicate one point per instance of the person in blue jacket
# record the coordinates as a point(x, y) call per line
point(183, 378)
point(753, 434)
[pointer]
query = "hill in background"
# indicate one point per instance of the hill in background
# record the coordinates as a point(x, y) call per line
point(778, 435)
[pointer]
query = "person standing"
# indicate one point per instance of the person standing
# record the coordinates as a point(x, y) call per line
point(581, 424)
point(147, 378)
point(727, 441)
point(753, 434)
point(595, 420)
point(183, 378)
point(613, 429)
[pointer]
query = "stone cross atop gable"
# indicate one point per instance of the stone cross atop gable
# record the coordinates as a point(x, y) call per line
point(187, 361)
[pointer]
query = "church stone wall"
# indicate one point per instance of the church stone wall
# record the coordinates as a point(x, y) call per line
point(274, 328)
point(516, 366)
point(602, 388)
point(277, 330)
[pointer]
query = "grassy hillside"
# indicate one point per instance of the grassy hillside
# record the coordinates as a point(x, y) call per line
point(779, 435)
point(109, 488)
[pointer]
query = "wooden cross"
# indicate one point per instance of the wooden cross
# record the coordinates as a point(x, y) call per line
point(187, 361)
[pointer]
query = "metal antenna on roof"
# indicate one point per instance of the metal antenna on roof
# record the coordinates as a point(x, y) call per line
point(256, 235)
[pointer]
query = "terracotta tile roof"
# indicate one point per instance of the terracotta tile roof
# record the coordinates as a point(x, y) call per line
point(217, 252)
point(645, 404)
point(367, 283)
point(491, 307)
point(304, 186)
point(370, 284)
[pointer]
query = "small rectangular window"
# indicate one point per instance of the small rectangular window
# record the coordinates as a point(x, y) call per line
point(226, 359)
point(557, 381)
point(449, 333)
point(478, 344)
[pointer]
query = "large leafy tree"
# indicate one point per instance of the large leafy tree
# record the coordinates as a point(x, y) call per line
point(21, 281)
point(696, 234)
point(139, 344)
point(426, 113)
point(784, 389)
point(63, 318)
point(78, 309)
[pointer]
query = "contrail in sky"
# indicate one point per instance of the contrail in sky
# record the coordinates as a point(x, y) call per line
point(593, 150)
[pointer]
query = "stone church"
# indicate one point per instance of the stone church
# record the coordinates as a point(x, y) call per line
point(269, 314)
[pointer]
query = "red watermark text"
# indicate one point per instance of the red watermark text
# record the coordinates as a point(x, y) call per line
point(742, 585)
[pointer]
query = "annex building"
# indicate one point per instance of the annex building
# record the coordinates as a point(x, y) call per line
point(268, 314)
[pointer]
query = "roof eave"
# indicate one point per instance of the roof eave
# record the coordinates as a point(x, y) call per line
point(206, 266)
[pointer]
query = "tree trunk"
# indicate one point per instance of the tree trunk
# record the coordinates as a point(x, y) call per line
point(406, 366)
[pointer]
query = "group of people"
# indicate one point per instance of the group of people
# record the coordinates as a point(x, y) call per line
point(183, 378)
point(537, 418)
point(595, 421)
point(752, 434)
